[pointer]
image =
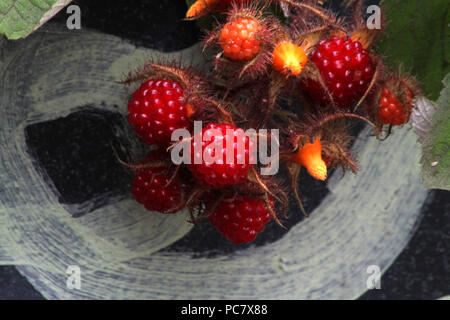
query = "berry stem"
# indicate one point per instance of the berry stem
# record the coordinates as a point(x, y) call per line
point(371, 85)
point(294, 172)
point(272, 212)
point(226, 115)
point(253, 176)
point(249, 64)
point(276, 84)
point(323, 85)
point(316, 11)
point(336, 116)
point(155, 164)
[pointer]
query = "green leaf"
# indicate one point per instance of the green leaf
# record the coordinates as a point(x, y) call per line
point(436, 147)
point(18, 18)
point(417, 36)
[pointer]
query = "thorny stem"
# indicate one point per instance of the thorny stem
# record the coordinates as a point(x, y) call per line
point(318, 77)
point(371, 85)
point(272, 212)
point(155, 164)
point(222, 110)
point(294, 172)
point(184, 140)
point(312, 9)
point(336, 116)
point(146, 165)
point(276, 84)
point(249, 64)
point(257, 179)
point(174, 174)
point(350, 162)
point(172, 71)
point(285, 115)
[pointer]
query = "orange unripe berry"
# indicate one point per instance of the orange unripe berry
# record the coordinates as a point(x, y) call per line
point(289, 59)
point(200, 6)
point(238, 39)
point(310, 156)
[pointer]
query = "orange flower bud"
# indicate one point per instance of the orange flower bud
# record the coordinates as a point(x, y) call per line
point(289, 59)
point(199, 7)
point(310, 156)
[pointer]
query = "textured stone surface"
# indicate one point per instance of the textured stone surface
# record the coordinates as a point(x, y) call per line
point(82, 162)
point(422, 271)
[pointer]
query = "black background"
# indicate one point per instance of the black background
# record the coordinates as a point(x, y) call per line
point(422, 271)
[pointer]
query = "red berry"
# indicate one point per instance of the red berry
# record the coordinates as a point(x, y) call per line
point(346, 69)
point(240, 219)
point(220, 173)
point(153, 187)
point(238, 39)
point(390, 109)
point(156, 110)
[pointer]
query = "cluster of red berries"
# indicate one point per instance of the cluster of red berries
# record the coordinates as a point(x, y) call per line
point(155, 111)
point(331, 69)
